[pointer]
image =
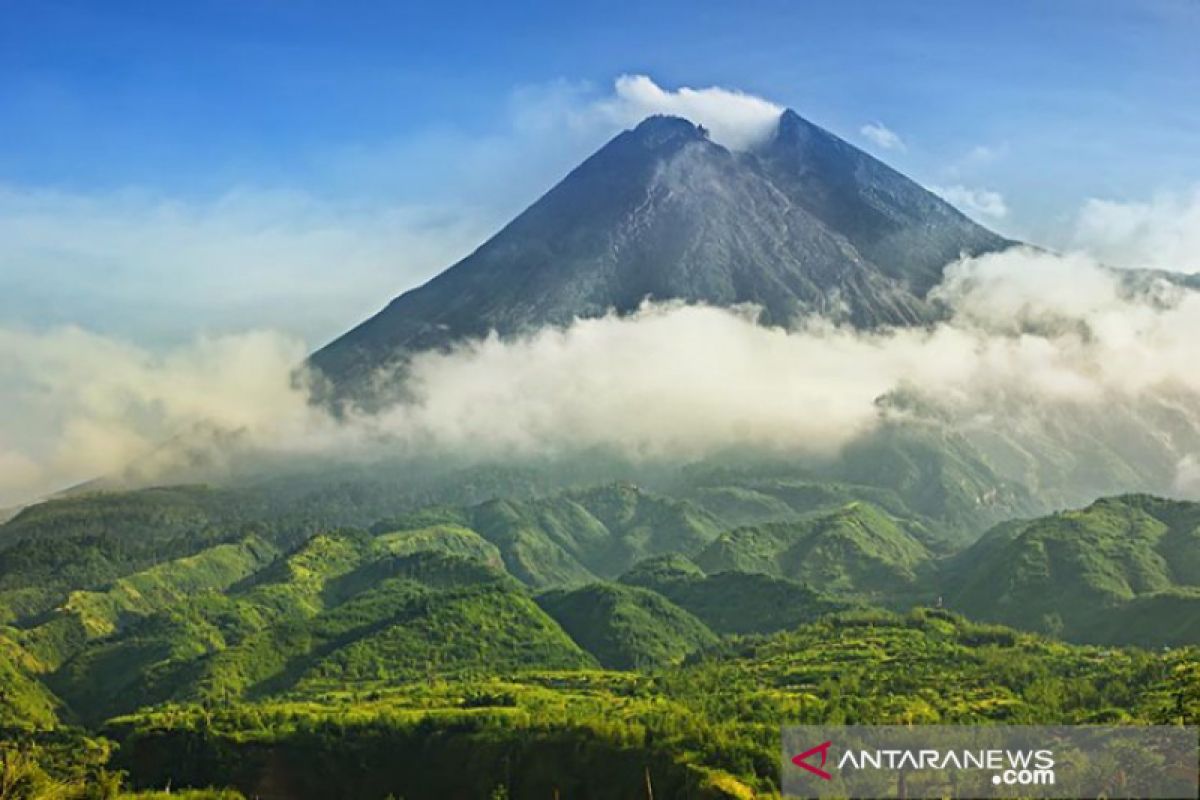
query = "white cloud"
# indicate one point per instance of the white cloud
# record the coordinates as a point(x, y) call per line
point(881, 136)
point(734, 119)
point(1187, 478)
point(1163, 233)
point(974, 202)
point(1032, 335)
point(79, 405)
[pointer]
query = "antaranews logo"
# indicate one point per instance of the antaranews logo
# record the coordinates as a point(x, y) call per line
point(1010, 767)
point(802, 760)
point(990, 761)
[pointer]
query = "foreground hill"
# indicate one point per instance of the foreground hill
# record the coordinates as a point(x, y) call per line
point(1123, 570)
point(706, 729)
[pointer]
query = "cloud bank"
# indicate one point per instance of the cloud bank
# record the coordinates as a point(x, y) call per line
point(1030, 334)
point(81, 406)
point(1163, 233)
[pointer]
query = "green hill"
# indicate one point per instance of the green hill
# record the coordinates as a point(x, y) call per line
point(1125, 569)
point(707, 728)
point(91, 615)
point(401, 646)
point(163, 655)
point(732, 602)
point(25, 702)
point(626, 627)
point(342, 607)
point(577, 536)
point(88, 541)
point(939, 475)
point(856, 551)
point(484, 629)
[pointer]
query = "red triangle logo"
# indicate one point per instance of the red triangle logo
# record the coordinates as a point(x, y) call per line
point(802, 760)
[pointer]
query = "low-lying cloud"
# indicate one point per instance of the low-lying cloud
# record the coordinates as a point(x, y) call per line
point(1029, 333)
point(1163, 232)
point(79, 405)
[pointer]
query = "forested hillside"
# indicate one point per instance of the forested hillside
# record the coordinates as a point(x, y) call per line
point(562, 638)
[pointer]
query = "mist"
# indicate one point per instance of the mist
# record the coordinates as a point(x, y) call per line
point(1033, 344)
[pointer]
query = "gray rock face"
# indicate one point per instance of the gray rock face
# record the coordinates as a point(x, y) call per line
point(803, 224)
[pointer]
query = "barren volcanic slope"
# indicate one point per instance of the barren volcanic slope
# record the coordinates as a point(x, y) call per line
point(802, 223)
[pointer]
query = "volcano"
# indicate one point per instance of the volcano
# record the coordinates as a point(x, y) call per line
point(801, 224)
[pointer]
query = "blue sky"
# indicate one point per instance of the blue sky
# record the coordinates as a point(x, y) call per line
point(173, 168)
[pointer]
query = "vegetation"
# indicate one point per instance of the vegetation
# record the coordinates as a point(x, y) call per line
point(625, 627)
point(706, 728)
point(1125, 570)
point(732, 602)
point(464, 650)
point(856, 550)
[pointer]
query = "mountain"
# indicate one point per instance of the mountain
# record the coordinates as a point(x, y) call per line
point(1124, 570)
point(803, 223)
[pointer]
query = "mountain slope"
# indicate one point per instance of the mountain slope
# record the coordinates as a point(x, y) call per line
point(804, 224)
point(576, 536)
point(626, 627)
point(898, 226)
point(731, 602)
point(855, 551)
point(1125, 569)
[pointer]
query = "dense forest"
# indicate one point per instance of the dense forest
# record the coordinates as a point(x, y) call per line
point(509, 638)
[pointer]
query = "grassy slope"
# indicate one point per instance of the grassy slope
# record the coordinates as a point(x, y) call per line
point(91, 615)
point(341, 608)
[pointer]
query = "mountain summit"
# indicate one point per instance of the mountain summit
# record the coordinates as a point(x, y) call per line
point(803, 223)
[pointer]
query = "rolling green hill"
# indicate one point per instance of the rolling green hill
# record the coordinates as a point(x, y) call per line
point(577, 536)
point(91, 615)
point(342, 608)
point(626, 627)
point(485, 626)
point(1125, 569)
point(856, 551)
point(732, 602)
